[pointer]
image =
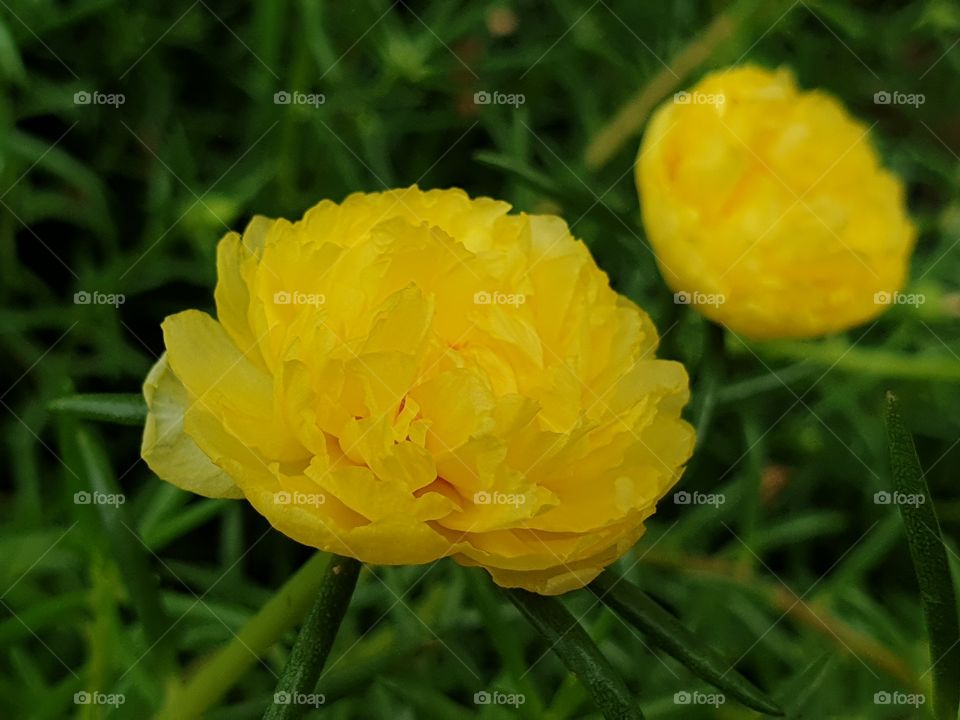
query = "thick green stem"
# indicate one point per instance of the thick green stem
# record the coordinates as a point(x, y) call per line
point(316, 637)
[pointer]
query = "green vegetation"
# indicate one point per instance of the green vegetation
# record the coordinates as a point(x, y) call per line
point(801, 579)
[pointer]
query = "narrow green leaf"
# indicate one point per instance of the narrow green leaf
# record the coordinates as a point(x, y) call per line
point(429, 703)
point(710, 380)
point(315, 640)
point(669, 634)
point(227, 666)
point(121, 408)
point(507, 644)
point(805, 692)
point(929, 562)
point(524, 173)
point(192, 516)
point(566, 637)
point(128, 551)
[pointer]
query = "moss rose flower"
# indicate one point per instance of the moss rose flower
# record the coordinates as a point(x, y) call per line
point(768, 208)
point(410, 375)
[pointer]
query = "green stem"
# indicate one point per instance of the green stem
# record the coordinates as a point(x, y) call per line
point(225, 668)
point(710, 379)
point(768, 381)
point(631, 117)
point(567, 638)
point(840, 355)
point(315, 640)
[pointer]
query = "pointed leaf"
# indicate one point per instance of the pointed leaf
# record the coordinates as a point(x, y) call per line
point(929, 555)
point(669, 634)
point(566, 637)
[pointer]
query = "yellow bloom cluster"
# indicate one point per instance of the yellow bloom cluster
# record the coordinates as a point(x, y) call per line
point(768, 208)
point(410, 375)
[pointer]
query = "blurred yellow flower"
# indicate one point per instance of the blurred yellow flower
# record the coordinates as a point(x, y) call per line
point(768, 208)
point(411, 375)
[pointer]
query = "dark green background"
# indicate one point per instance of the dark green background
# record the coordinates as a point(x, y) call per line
point(133, 199)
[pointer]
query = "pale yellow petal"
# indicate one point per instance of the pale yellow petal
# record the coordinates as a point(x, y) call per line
point(167, 449)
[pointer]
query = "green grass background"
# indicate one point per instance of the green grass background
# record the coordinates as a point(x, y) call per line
point(799, 578)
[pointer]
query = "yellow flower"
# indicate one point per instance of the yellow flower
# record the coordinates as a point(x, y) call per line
point(768, 208)
point(411, 375)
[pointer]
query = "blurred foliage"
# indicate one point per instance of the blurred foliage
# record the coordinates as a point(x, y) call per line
point(799, 578)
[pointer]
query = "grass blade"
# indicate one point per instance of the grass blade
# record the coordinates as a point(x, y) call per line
point(669, 634)
point(224, 669)
point(120, 408)
point(929, 556)
point(107, 500)
point(579, 653)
